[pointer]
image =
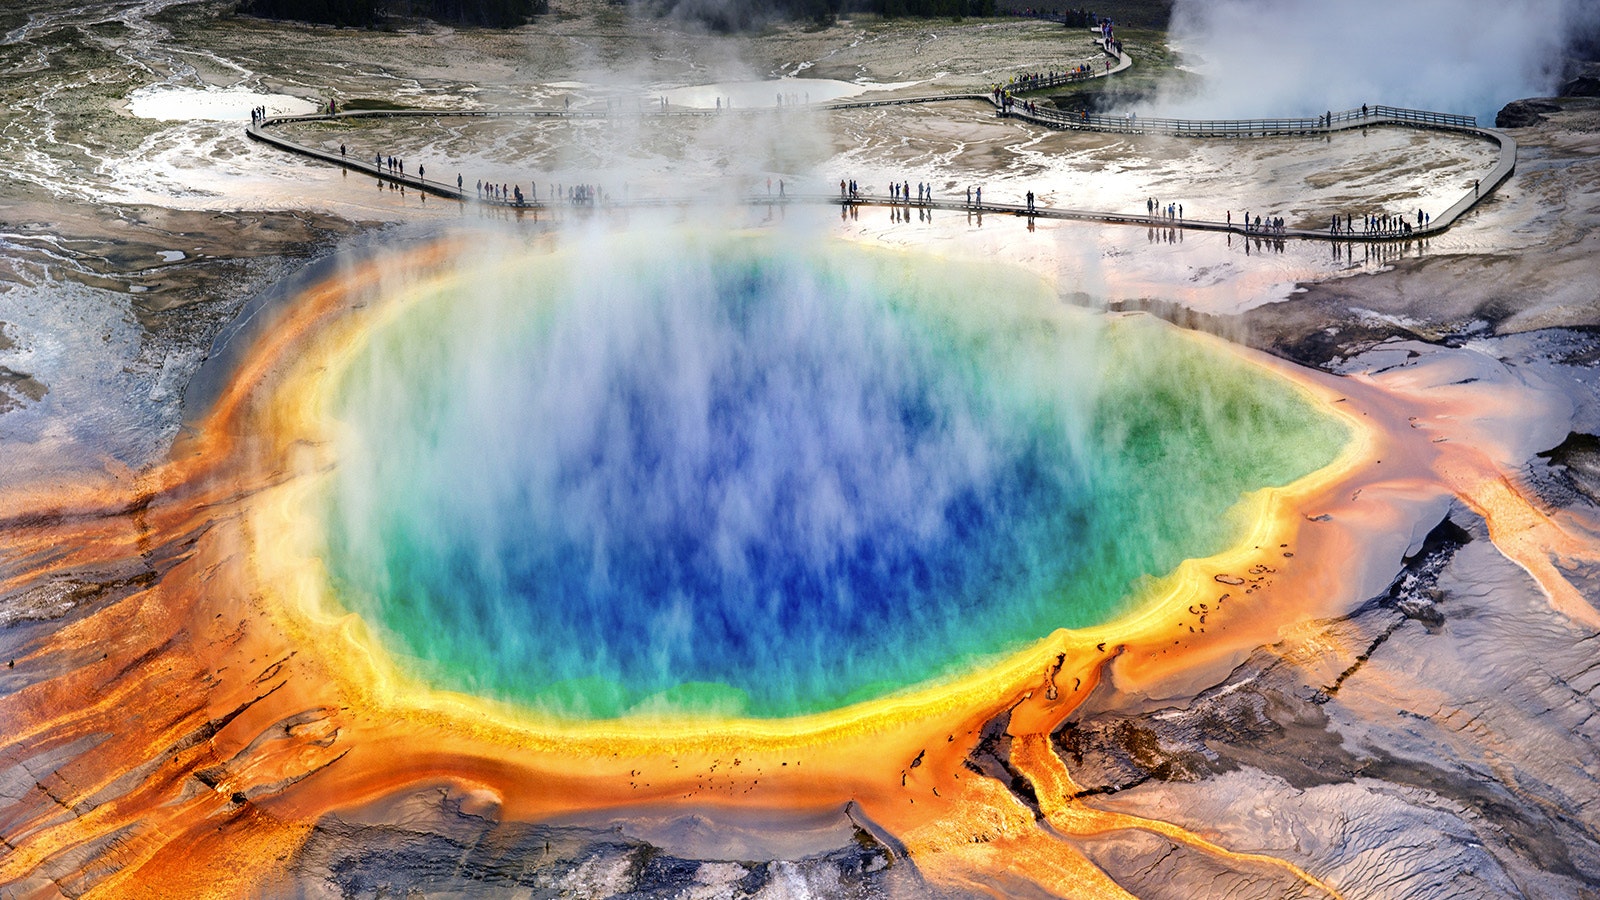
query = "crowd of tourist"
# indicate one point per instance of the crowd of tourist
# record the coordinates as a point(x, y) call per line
point(1172, 212)
point(1002, 95)
point(899, 191)
point(1382, 224)
point(503, 193)
point(1008, 103)
point(1032, 81)
point(900, 194)
point(1271, 225)
point(1373, 225)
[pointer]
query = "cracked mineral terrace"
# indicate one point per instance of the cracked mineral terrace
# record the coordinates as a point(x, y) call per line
point(1389, 692)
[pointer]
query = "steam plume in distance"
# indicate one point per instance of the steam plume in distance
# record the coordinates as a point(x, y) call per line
point(1263, 58)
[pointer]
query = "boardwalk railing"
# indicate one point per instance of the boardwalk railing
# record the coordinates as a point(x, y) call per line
point(1343, 120)
point(1424, 117)
point(1133, 124)
point(1041, 83)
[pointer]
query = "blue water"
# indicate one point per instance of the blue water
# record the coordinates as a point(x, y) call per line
point(731, 479)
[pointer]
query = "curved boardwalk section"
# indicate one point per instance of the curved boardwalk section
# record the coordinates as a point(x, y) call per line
point(1003, 99)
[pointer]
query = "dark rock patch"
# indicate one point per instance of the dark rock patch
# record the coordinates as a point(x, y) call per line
point(441, 851)
point(1573, 469)
point(1582, 86)
point(992, 758)
point(1523, 113)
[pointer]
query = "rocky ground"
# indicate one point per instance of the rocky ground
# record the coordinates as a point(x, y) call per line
point(1438, 740)
point(1452, 751)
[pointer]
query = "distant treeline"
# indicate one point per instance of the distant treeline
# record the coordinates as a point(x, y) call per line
point(719, 15)
point(941, 9)
point(367, 13)
point(1072, 18)
point(1126, 13)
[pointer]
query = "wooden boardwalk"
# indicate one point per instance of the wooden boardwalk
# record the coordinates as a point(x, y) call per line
point(1228, 129)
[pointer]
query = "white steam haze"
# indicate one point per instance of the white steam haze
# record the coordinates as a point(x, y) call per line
point(1262, 58)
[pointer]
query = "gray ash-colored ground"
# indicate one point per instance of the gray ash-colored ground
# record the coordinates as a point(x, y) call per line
point(1451, 753)
point(1544, 279)
point(1478, 785)
point(439, 844)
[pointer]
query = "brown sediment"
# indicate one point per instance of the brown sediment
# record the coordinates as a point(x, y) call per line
point(211, 709)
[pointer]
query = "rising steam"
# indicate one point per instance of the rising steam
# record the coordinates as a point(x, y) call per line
point(768, 476)
point(1303, 57)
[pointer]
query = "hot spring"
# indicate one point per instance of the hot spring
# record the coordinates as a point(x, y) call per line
point(768, 476)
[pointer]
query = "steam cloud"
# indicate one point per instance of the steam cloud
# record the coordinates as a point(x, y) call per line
point(700, 465)
point(1303, 57)
point(704, 474)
